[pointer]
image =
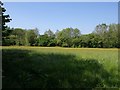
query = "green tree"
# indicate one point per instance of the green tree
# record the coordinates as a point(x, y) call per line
point(32, 36)
point(112, 35)
point(5, 19)
point(43, 40)
point(49, 33)
point(76, 42)
point(76, 33)
point(101, 30)
point(19, 36)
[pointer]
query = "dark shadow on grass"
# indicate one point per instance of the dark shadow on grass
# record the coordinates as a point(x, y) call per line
point(27, 69)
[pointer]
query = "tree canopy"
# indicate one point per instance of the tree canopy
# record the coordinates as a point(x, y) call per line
point(104, 36)
point(4, 19)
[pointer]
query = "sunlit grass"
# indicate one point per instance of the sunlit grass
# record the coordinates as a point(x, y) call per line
point(63, 66)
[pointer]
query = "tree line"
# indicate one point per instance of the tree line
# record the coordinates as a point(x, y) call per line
point(104, 36)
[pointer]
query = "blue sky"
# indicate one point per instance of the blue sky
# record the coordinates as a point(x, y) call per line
point(58, 15)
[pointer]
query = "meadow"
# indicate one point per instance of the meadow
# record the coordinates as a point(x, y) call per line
point(56, 67)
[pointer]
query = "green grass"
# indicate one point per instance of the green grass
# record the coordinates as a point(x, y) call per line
point(55, 67)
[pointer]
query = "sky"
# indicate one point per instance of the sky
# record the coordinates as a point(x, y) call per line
point(60, 0)
point(58, 15)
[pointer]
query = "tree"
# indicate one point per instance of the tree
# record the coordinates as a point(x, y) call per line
point(76, 42)
point(76, 32)
point(43, 40)
point(5, 19)
point(101, 30)
point(112, 35)
point(19, 36)
point(32, 36)
point(49, 33)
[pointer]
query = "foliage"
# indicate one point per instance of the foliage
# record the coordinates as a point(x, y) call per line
point(5, 29)
point(104, 36)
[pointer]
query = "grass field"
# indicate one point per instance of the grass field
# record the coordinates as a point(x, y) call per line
point(55, 67)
